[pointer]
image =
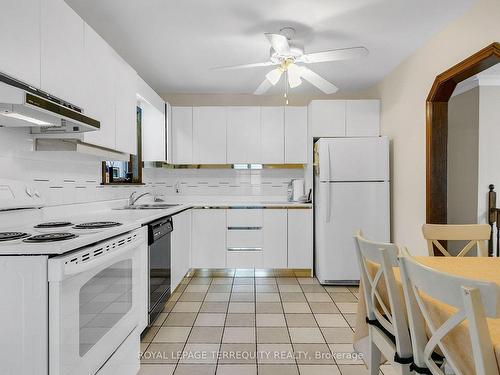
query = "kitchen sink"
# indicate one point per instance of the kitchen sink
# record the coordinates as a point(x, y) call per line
point(152, 206)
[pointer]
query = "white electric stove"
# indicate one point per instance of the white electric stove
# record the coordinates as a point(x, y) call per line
point(72, 290)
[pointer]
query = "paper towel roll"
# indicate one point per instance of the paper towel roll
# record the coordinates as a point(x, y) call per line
point(298, 189)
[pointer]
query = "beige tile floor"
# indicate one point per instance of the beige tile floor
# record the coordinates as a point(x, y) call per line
point(249, 322)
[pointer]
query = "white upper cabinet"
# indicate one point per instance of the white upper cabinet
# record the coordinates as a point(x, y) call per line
point(154, 133)
point(182, 135)
point(209, 135)
point(363, 118)
point(273, 134)
point(155, 124)
point(100, 95)
point(62, 52)
point(125, 86)
point(243, 135)
point(327, 118)
point(296, 135)
point(20, 40)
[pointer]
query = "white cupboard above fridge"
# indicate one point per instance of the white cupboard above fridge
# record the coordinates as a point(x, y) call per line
point(344, 118)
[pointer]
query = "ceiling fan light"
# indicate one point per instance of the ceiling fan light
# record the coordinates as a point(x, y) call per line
point(274, 76)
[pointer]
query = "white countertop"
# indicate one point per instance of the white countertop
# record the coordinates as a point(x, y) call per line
point(130, 219)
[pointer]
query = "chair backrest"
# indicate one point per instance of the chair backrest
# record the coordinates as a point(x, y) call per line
point(473, 301)
point(384, 256)
point(475, 234)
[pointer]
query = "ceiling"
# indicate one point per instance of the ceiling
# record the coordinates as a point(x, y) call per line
point(173, 44)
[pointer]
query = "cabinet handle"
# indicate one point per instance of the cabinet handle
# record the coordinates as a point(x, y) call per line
point(244, 228)
point(244, 249)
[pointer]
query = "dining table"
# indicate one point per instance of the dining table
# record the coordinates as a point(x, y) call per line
point(458, 340)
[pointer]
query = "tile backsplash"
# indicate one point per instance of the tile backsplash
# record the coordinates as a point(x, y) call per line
point(68, 177)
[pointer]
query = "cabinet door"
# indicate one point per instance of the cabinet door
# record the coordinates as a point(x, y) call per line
point(182, 135)
point(125, 86)
point(209, 238)
point(100, 96)
point(272, 121)
point(327, 118)
point(296, 135)
point(275, 239)
point(300, 238)
point(62, 52)
point(209, 135)
point(20, 40)
point(154, 133)
point(181, 247)
point(363, 118)
point(243, 135)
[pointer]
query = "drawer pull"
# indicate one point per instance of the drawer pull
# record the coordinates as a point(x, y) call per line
point(244, 228)
point(244, 249)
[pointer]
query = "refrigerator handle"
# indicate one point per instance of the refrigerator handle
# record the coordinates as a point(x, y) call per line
point(328, 210)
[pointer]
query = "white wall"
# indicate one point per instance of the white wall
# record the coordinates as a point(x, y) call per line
point(463, 145)
point(489, 147)
point(403, 93)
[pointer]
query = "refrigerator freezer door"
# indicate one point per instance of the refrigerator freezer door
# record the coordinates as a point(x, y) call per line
point(353, 206)
point(353, 159)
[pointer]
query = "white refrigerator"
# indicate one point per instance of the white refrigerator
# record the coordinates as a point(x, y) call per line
point(351, 192)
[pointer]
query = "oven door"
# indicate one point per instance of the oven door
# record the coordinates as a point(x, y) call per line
point(94, 299)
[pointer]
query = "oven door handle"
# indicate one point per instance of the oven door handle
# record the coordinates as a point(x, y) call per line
point(106, 258)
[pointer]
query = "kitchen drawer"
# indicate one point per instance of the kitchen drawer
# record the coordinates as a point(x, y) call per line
point(245, 217)
point(244, 238)
point(245, 259)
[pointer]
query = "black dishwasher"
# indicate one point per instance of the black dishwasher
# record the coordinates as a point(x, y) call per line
point(159, 233)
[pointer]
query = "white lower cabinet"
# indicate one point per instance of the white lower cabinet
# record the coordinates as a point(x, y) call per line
point(275, 238)
point(181, 248)
point(209, 238)
point(251, 238)
point(300, 238)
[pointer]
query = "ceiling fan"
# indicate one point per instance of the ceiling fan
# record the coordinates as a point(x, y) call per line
point(287, 55)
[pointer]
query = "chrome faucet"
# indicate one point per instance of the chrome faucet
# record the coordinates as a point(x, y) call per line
point(132, 200)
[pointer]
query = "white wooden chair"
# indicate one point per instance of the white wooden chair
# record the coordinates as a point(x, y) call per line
point(388, 328)
point(475, 234)
point(475, 301)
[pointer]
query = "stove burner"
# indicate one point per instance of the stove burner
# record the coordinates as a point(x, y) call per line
point(10, 236)
point(97, 225)
point(54, 224)
point(50, 237)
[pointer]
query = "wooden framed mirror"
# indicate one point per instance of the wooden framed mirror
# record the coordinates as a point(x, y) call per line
point(437, 128)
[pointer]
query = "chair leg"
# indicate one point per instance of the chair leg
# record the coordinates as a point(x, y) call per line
point(374, 359)
point(402, 369)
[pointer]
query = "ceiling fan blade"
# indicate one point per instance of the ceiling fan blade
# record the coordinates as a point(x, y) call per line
point(334, 55)
point(263, 87)
point(279, 43)
point(318, 81)
point(244, 66)
point(294, 76)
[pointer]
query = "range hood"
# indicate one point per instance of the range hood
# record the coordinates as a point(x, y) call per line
point(22, 105)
